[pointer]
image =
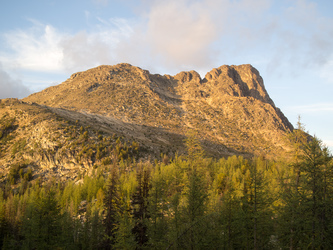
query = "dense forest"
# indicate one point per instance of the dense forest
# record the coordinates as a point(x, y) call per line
point(187, 202)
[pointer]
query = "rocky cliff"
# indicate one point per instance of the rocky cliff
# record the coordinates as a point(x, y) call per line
point(120, 112)
point(230, 107)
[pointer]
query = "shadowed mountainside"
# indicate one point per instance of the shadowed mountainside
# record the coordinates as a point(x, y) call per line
point(230, 107)
point(121, 112)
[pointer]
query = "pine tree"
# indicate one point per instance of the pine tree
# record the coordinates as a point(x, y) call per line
point(317, 185)
point(42, 223)
point(111, 204)
point(291, 187)
point(194, 149)
point(157, 208)
point(306, 218)
point(140, 207)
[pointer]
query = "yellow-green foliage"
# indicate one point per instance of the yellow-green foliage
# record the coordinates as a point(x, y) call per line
point(192, 202)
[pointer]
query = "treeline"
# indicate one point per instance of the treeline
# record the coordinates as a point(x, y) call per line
point(189, 202)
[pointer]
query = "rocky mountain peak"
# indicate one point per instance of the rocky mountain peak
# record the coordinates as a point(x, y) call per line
point(240, 81)
point(188, 76)
point(230, 108)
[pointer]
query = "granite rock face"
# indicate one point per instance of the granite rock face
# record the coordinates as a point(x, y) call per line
point(71, 128)
point(229, 107)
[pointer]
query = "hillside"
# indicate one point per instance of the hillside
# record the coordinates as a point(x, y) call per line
point(113, 159)
point(121, 112)
point(230, 108)
point(36, 142)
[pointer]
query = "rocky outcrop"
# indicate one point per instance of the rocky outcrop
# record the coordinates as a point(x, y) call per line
point(230, 107)
point(242, 81)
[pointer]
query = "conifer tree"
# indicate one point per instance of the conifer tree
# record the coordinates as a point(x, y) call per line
point(194, 210)
point(140, 206)
point(157, 208)
point(291, 188)
point(194, 148)
point(4, 227)
point(42, 223)
point(306, 218)
point(111, 204)
point(317, 199)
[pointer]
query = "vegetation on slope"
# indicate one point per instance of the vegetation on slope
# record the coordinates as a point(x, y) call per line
point(189, 202)
point(230, 108)
point(37, 143)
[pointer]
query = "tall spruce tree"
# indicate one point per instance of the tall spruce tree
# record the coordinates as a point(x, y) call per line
point(306, 218)
point(157, 207)
point(140, 206)
point(42, 223)
point(290, 183)
point(112, 207)
point(317, 183)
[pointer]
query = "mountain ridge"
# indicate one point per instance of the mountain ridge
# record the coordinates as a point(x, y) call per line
point(124, 113)
point(174, 103)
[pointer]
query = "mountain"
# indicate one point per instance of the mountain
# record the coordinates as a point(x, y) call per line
point(119, 107)
point(230, 107)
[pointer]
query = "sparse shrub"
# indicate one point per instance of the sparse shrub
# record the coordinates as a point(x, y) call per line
point(28, 175)
point(7, 125)
point(106, 161)
point(18, 147)
point(16, 171)
point(85, 135)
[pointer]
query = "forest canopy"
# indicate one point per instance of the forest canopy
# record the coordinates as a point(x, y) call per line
point(188, 202)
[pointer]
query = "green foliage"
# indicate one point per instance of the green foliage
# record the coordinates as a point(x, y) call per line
point(306, 217)
point(16, 172)
point(193, 146)
point(42, 222)
point(7, 125)
point(139, 205)
point(18, 147)
point(189, 202)
point(112, 208)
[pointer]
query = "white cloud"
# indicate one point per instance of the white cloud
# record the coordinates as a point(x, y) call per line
point(182, 34)
point(102, 3)
point(10, 87)
point(42, 48)
point(302, 38)
point(326, 72)
point(87, 49)
point(314, 108)
point(35, 49)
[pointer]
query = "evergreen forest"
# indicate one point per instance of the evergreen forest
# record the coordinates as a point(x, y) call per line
point(184, 202)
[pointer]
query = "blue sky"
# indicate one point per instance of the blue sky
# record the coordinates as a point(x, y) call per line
point(290, 42)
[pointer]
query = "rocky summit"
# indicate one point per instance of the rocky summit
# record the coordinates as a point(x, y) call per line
point(76, 124)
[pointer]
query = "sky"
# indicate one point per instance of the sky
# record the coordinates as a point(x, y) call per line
point(290, 42)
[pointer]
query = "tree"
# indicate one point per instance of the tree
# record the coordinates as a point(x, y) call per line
point(140, 206)
point(317, 183)
point(41, 226)
point(4, 225)
point(306, 219)
point(111, 204)
point(253, 219)
point(194, 149)
point(194, 210)
point(291, 189)
point(157, 208)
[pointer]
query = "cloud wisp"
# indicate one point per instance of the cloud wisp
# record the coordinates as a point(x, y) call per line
point(35, 49)
point(10, 87)
point(314, 108)
point(181, 35)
